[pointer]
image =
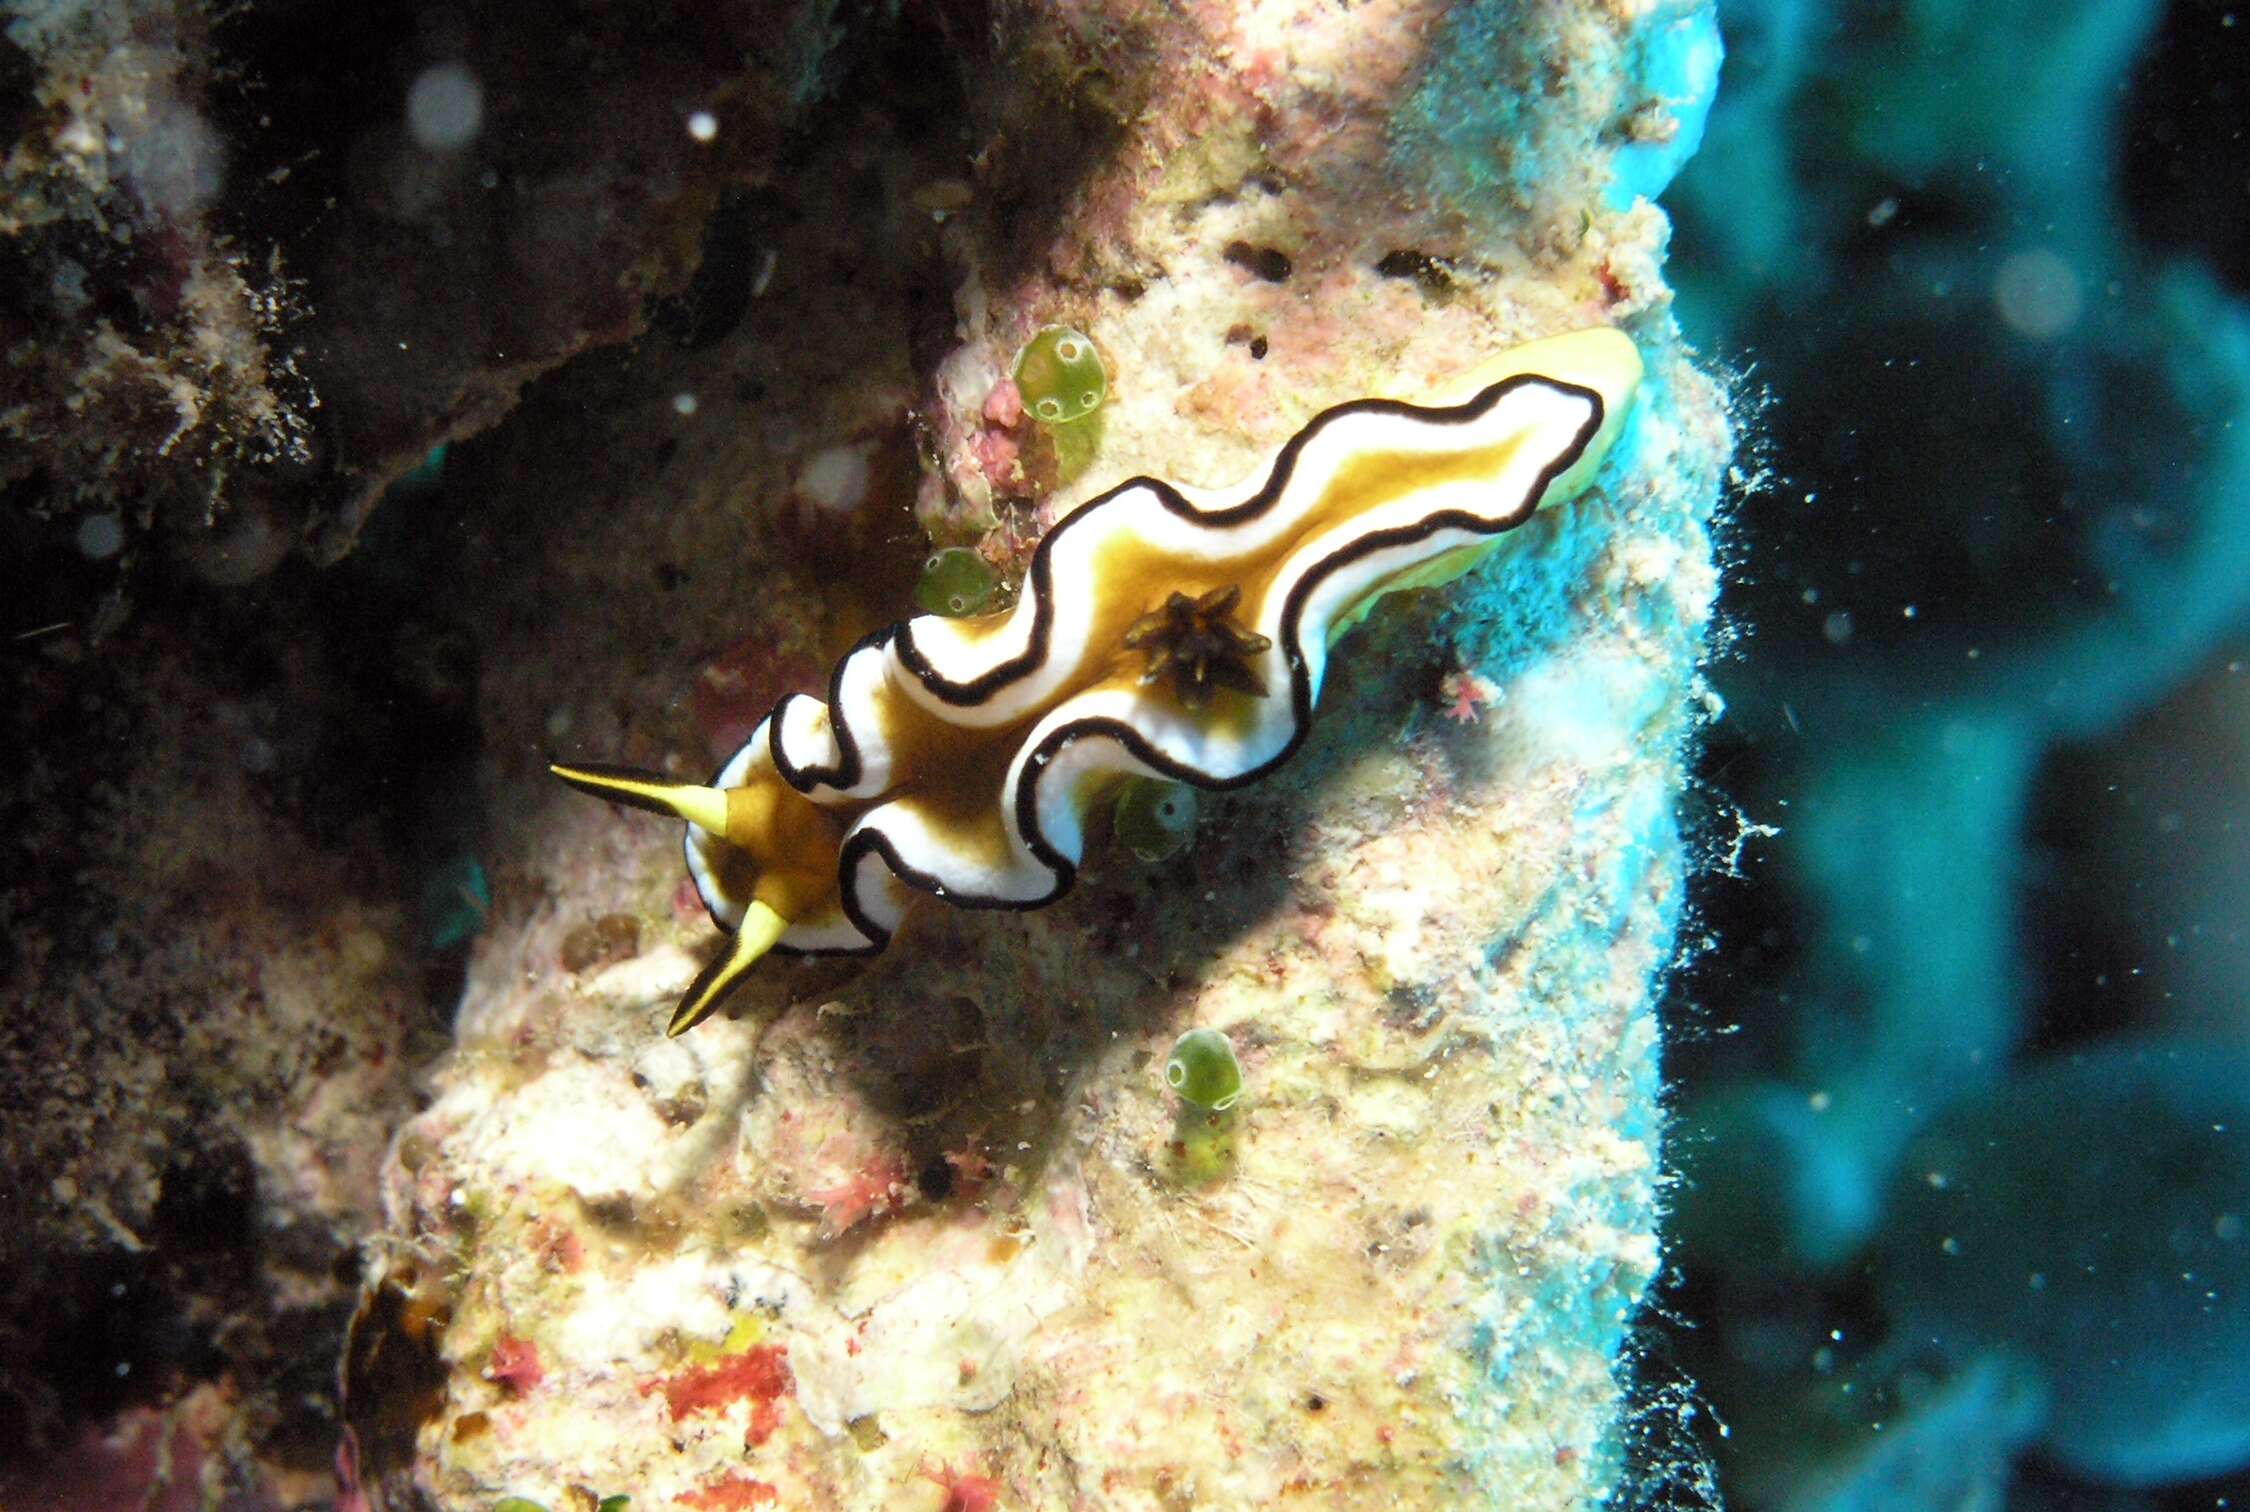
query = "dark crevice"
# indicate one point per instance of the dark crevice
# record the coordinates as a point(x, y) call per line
point(1268, 263)
point(1434, 274)
point(2185, 165)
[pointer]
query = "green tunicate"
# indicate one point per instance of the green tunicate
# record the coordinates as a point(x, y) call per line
point(955, 581)
point(1155, 819)
point(1203, 1070)
point(1060, 376)
point(517, 1504)
point(1205, 1146)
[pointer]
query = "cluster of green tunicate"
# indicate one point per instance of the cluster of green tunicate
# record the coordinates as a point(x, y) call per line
point(1155, 819)
point(954, 582)
point(1203, 1070)
point(1060, 376)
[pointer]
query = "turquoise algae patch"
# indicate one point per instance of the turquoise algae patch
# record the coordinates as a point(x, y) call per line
point(1679, 67)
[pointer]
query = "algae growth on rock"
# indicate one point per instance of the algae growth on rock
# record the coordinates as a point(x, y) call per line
point(952, 1183)
point(932, 1227)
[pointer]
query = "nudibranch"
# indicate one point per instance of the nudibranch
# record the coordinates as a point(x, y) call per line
point(1162, 632)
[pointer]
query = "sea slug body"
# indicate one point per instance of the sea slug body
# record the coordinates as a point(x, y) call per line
point(1162, 632)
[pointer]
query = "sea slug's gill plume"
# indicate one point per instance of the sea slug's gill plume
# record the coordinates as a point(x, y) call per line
point(1162, 632)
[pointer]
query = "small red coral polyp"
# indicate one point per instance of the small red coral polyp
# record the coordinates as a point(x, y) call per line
point(1001, 460)
point(1003, 407)
point(515, 1365)
point(765, 1417)
point(964, 1490)
point(758, 1375)
point(734, 1494)
point(876, 1188)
